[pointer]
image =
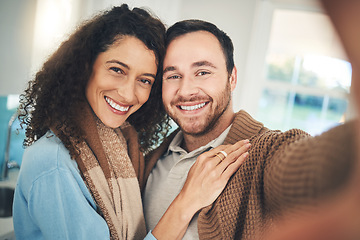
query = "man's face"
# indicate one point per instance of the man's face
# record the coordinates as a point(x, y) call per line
point(196, 85)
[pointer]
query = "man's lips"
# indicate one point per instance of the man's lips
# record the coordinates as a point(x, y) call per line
point(116, 106)
point(192, 107)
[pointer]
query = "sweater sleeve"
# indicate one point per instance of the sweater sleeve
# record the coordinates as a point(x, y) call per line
point(301, 170)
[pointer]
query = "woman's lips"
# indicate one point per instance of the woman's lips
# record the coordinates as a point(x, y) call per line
point(116, 106)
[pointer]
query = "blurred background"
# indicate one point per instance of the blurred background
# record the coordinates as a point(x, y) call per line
point(292, 71)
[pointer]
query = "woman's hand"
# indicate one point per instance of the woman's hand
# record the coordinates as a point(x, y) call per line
point(210, 173)
point(206, 179)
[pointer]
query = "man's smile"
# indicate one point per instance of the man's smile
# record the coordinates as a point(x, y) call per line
point(192, 107)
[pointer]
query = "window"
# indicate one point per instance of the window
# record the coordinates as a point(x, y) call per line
point(306, 78)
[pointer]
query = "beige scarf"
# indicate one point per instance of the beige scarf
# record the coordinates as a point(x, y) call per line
point(110, 176)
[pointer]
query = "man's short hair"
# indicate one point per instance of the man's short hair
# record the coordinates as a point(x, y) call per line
point(194, 25)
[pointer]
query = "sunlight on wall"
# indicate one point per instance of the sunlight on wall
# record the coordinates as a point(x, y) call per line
point(54, 20)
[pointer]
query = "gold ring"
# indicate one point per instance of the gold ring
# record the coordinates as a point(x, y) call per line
point(220, 157)
point(224, 153)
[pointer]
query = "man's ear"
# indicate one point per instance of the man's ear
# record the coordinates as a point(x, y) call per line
point(233, 78)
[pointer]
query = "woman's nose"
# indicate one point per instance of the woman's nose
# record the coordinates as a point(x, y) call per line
point(127, 90)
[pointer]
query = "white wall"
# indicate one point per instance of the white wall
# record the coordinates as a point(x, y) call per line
point(19, 52)
point(16, 31)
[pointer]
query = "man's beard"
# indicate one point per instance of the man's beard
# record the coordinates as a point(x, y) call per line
point(211, 121)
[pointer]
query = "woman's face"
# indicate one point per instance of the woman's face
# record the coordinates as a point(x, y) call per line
point(121, 80)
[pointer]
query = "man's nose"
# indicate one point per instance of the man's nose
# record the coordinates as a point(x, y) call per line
point(188, 87)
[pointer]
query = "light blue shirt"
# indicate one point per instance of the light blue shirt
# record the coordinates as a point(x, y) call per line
point(51, 200)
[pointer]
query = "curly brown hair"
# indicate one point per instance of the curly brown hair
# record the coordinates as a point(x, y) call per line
point(58, 89)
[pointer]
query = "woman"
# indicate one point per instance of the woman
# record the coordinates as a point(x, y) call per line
point(95, 103)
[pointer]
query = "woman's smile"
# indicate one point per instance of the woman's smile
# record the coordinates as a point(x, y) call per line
point(122, 109)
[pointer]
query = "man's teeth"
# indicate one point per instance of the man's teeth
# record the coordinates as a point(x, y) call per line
point(191, 108)
point(116, 106)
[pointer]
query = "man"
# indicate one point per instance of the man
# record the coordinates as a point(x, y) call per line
point(283, 172)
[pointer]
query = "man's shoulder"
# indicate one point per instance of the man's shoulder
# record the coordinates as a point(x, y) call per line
point(276, 138)
point(163, 146)
point(243, 127)
point(152, 157)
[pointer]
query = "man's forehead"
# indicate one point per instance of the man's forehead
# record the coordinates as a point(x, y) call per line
point(194, 49)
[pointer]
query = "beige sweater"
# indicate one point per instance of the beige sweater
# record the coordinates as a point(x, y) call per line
point(285, 171)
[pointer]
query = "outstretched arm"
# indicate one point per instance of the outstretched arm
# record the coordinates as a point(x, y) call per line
point(339, 219)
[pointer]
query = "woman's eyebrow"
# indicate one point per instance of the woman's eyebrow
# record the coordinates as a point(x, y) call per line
point(150, 75)
point(118, 62)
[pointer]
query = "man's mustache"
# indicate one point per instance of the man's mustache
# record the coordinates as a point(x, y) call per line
point(182, 100)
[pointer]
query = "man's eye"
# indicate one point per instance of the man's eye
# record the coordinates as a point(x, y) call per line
point(202, 73)
point(173, 77)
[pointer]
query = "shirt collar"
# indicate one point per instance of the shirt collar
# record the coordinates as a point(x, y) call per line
point(176, 142)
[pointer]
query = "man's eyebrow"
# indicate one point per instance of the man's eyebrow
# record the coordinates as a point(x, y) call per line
point(127, 67)
point(168, 69)
point(195, 64)
point(203, 63)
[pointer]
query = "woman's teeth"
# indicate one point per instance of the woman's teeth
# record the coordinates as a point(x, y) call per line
point(191, 108)
point(116, 106)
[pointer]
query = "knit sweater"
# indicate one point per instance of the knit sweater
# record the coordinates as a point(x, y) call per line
point(284, 172)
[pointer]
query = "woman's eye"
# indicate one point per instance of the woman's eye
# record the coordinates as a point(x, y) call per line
point(146, 81)
point(117, 70)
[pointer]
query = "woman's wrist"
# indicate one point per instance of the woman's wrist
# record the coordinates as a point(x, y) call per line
point(176, 219)
point(185, 208)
